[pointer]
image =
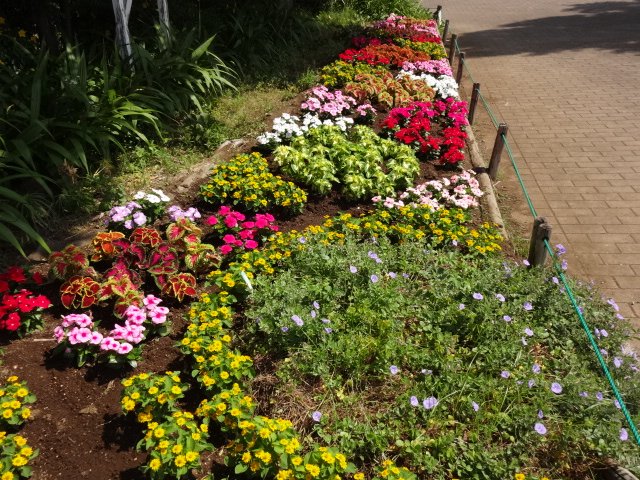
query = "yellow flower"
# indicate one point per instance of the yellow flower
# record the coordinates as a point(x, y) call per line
point(177, 449)
point(22, 392)
point(22, 33)
point(176, 390)
point(26, 451)
point(180, 461)
point(26, 413)
point(246, 457)
point(12, 379)
point(153, 390)
point(19, 461)
point(7, 413)
point(520, 476)
point(158, 432)
point(20, 440)
point(155, 464)
point(191, 456)
point(7, 475)
point(358, 476)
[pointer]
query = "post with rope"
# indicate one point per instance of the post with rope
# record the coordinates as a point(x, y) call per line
point(452, 48)
point(540, 233)
point(496, 154)
point(438, 14)
point(460, 68)
point(473, 103)
point(445, 31)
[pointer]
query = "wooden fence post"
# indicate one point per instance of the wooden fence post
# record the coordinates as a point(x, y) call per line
point(494, 162)
point(460, 68)
point(438, 14)
point(537, 252)
point(475, 93)
point(452, 48)
point(445, 31)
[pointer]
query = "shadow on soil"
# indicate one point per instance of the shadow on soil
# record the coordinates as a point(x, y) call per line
point(609, 26)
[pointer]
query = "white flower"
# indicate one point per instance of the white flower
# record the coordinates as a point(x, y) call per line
point(160, 194)
point(139, 195)
point(153, 198)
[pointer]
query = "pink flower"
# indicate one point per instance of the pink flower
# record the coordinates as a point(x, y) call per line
point(158, 318)
point(224, 210)
point(160, 310)
point(230, 221)
point(226, 249)
point(212, 220)
point(251, 244)
point(248, 224)
point(124, 348)
point(96, 338)
point(151, 300)
point(58, 333)
point(109, 343)
point(245, 234)
point(228, 238)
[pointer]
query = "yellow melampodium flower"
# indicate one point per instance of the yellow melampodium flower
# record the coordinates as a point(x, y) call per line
point(7, 475)
point(180, 461)
point(7, 413)
point(177, 449)
point(191, 456)
point(155, 464)
point(358, 476)
point(19, 461)
point(22, 392)
point(20, 440)
point(25, 413)
point(519, 476)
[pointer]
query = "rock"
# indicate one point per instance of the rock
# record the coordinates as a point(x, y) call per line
point(90, 410)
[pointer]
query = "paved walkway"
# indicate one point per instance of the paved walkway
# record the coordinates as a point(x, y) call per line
point(565, 77)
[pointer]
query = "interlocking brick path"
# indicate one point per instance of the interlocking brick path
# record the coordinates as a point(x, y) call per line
point(565, 77)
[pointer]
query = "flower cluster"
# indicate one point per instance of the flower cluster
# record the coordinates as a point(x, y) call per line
point(444, 86)
point(237, 233)
point(328, 104)
point(20, 309)
point(462, 191)
point(176, 213)
point(401, 26)
point(288, 126)
point(389, 91)
point(145, 209)
point(152, 396)
point(435, 67)
point(245, 181)
point(14, 398)
point(417, 43)
point(392, 56)
point(339, 73)
point(78, 334)
point(15, 455)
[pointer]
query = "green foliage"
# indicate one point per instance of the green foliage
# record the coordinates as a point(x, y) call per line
point(360, 162)
point(377, 9)
point(465, 343)
point(435, 50)
point(339, 73)
point(387, 90)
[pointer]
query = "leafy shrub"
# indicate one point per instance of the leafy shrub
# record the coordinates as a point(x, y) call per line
point(389, 91)
point(339, 73)
point(435, 50)
point(245, 181)
point(454, 367)
point(360, 162)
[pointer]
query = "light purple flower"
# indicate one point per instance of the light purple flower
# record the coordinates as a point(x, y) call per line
point(302, 240)
point(475, 406)
point(424, 371)
point(604, 333)
point(555, 280)
point(374, 278)
point(297, 320)
point(560, 250)
point(284, 329)
point(405, 275)
point(429, 403)
point(461, 306)
point(414, 401)
point(500, 297)
point(531, 383)
point(316, 305)
point(556, 388)
point(326, 320)
point(528, 332)
point(394, 370)
point(527, 306)
point(505, 374)
point(313, 314)
point(564, 265)
point(506, 318)
point(617, 403)
point(139, 218)
point(599, 396)
point(617, 362)
point(316, 416)
point(584, 394)
point(353, 269)
point(477, 296)
point(526, 262)
point(540, 414)
point(619, 316)
point(624, 436)
point(328, 330)
point(536, 368)
point(392, 274)
point(540, 428)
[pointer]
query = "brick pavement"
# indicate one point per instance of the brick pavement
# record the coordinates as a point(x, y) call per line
point(564, 77)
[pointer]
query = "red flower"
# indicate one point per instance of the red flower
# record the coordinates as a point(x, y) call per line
point(16, 274)
point(12, 322)
point(4, 286)
point(38, 278)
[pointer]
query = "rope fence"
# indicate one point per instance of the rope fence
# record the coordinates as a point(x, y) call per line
point(539, 245)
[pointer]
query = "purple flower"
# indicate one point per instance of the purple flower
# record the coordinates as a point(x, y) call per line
point(316, 416)
point(564, 265)
point(353, 269)
point(624, 436)
point(604, 333)
point(599, 396)
point(540, 414)
point(405, 275)
point(506, 318)
point(325, 320)
point(555, 280)
point(297, 320)
point(414, 401)
point(540, 428)
point(475, 406)
point(560, 250)
point(374, 278)
point(313, 314)
point(316, 305)
point(556, 388)
point(500, 297)
point(328, 330)
point(584, 394)
point(478, 296)
point(139, 218)
point(394, 370)
point(527, 306)
point(302, 240)
point(461, 306)
point(429, 403)
point(604, 352)
point(528, 332)
point(505, 374)
point(372, 255)
point(424, 371)
point(617, 404)
point(531, 383)
point(619, 316)
point(526, 263)
point(392, 274)
point(617, 362)
point(536, 368)
point(284, 329)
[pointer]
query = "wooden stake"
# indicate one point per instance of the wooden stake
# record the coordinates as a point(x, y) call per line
point(494, 162)
point(438, 14)
point(475, 93)
point(452, 48)
point(460, 68)
point(445, 31)
point(537, 252)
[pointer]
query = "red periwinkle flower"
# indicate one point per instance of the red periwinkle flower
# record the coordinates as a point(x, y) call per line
point(212, 220)
point(16, 274)
point(13, 321)
point(38, 278)
point(251, 244)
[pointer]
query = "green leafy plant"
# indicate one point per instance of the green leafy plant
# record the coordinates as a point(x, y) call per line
point(339, 73)
point(389, 91)
point(360, 163)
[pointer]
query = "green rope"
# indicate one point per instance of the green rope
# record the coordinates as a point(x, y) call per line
point(517, 170)
point(488, 109)
point(457, 46)
point(594, 345)
point(464, 64)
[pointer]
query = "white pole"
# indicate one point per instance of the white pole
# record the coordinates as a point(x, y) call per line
point(163, 15)
point(121, 11)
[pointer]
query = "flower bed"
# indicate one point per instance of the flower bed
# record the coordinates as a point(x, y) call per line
point(391, 343)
